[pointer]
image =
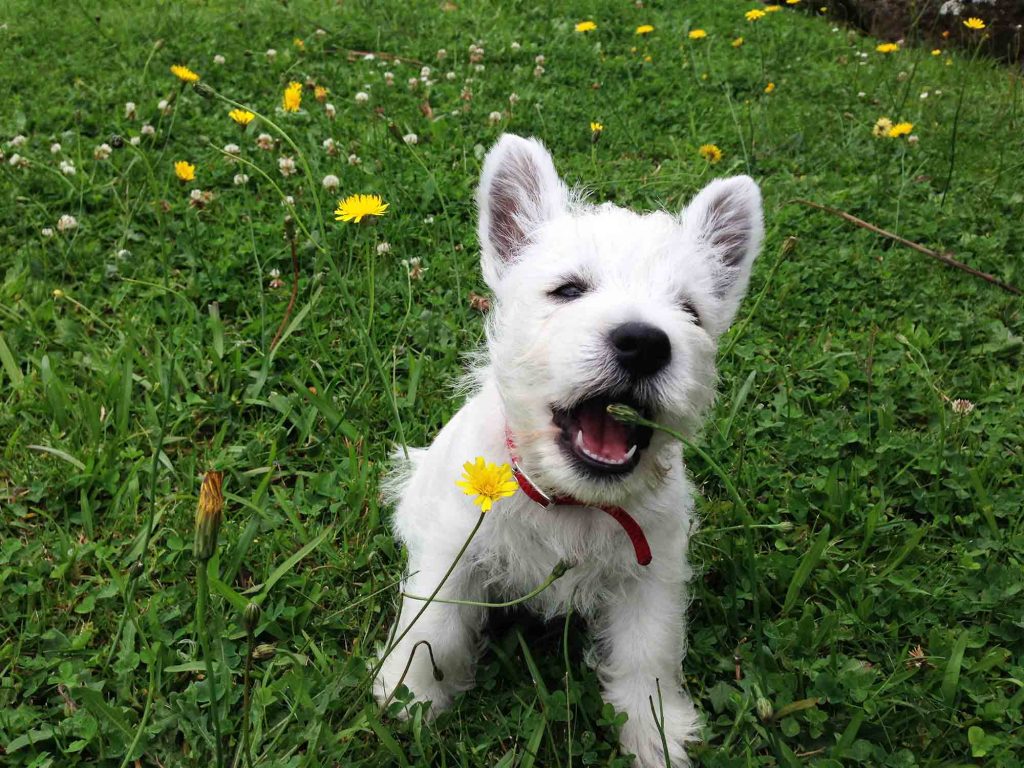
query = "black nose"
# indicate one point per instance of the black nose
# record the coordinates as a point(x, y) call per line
point(641, 349)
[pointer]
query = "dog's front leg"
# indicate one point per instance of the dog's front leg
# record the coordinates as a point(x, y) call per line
point(641, 632)
point(452, 631)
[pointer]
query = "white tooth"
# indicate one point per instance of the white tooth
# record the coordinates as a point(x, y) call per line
point(629, 454)
point(579, 440)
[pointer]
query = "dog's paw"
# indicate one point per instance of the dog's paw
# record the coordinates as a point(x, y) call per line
point(423, 687)
point(643, 738)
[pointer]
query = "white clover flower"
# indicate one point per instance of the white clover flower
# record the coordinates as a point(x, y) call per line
point(389, 78)
point(515, 46)
point(414, 83)
point(102, 152)
point(68, 168)
point(362, 97)
point(478, 67)
point(411, 138)
point(962, 407)
point(123, 253)
point(135, 141)
point(147, 130)
point(219, 60)
point(46, 232)
point(321, 33)
point(66, 223)
point(442, 54)
point(383, 247)
point(538, 71)
point(288, 201)
point(415, 267)
point(271, 54)
point(912, 139)
point(17, 161)
point(164, 106)
point(449, 76)
point(513, 98)
point(265, 141)
point(286, 165)
point(330, 111)
point(330, 146)
point(424, 73)
point(494, 118)
point(240, 179)
point(353, 159)
point(55, 148)
point(331, 182)
point(17, 141)
point(539, 59)
point(369, 57)
point(196, 195)
point(129, 110)
point(233, 149)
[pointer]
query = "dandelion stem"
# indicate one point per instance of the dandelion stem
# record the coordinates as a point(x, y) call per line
point(558, 572)
point(247, 698)
point(202, 599)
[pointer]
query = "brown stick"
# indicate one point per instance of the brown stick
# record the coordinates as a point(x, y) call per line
point(295, 287)
point(945, 258)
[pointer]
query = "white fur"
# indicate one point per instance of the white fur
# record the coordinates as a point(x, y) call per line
point(542, 354)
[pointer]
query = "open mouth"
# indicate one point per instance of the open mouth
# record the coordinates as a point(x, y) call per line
point(597, 442)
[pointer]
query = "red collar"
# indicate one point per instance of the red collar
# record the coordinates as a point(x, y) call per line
point(621, 516)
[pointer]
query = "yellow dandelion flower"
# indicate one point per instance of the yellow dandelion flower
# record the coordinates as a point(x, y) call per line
point(596, 127)
point(488, 482)
point(772, 8)
point(697, 34)
point(357, 207)
point(644, 29)
point(241, 116)
point(900, 129)
point(754, 14)
point(184, 74)
point(184, 170)
point(769, 88)
point(586, 26)
point(710, 152)
point(936, 52)
point(292, 99)
point(737, 42)
point(974, 23)
point(320, 93)
point(881, 128)
point(208, 515)
point(887, 47)
point(792, 2)
point(299, 43)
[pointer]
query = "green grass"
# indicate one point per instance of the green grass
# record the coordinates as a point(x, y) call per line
point(902, 521)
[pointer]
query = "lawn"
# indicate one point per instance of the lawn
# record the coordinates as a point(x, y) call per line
point(870, 417)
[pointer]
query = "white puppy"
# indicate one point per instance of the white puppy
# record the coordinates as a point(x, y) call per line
point(593, 305)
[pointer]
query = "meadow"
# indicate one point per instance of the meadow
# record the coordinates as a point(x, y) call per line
point(861, 557)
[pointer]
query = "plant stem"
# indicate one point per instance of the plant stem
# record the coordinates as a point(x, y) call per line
point(247, 698)
point(558, 572)
point(202, 598)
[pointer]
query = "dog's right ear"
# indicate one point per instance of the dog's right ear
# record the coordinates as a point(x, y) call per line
point(519, 191)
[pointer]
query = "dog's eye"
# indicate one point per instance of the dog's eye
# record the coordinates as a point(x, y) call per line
point(688, 308)
point(569, 291)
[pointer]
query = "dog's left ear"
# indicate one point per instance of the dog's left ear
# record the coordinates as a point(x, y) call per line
point(519, 191)
point(725, 222)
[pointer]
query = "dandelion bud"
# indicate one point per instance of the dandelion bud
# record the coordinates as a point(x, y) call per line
point(208, 515)
point(251, 617)
point(560, 570)
point(264, 651)
point(623, 413)
point(202, 89)
point(764, 709)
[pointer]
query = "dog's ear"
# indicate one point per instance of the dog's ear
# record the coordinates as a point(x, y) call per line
point(725, 222)
point(519, 190)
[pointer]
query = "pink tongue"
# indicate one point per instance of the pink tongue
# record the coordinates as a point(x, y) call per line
point(603, 435)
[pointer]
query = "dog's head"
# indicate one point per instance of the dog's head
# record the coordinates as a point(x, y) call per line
point(597, 305)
